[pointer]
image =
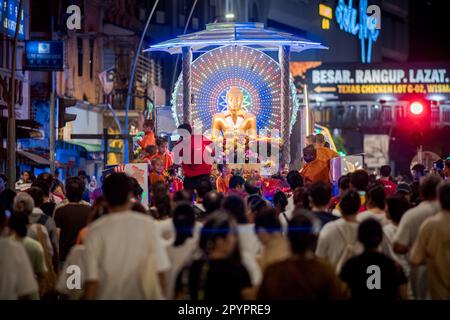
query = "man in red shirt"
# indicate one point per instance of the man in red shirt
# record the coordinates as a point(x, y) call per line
point(197, 165)
point(390, 188)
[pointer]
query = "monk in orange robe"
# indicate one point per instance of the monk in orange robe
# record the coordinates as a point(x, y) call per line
point(314, 170)
point(163, 152)
point(223, 181)
point(323, 153)
point(156, 175)
point(149, 137)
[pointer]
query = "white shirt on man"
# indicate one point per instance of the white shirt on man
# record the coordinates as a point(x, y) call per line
point(122, 250)
point(290, 207)
point(407, 233)
point(179, 257)
point(387, 247)
point(66, 283)
point(16, 276)
point(380, 217)
point(408, 228)
point(250, 247)
point(334, 238)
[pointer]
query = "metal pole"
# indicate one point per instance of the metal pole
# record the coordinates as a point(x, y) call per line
point(131, 83)
point(52, 130)
point(52, 112)
point(174, 74)
point(186, 73)
point(309, 126)
point(283, 56)
point(11, 142)
point(105, 147)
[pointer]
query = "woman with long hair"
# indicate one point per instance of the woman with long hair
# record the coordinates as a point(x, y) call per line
point(216, 276)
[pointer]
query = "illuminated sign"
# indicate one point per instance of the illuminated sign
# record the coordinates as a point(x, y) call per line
point(365, 28)
point(9, 11)
point(359, 81)
point(326, 13)
point(44, 55)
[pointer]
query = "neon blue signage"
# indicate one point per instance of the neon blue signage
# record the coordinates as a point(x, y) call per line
point(9, 11)
point(365, 28)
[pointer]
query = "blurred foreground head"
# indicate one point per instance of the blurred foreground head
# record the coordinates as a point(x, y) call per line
point(117, 189)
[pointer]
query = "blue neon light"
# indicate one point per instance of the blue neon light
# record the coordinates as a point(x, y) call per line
point(257, 74)
point(9, 11)
point(346, 17)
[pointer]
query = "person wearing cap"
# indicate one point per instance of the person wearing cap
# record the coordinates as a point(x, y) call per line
point(404, 190)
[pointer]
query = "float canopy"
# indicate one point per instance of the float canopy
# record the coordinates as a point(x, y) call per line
point(251, 34)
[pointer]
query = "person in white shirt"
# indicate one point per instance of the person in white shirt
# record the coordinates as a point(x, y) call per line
point(181, 250)
point(68, 285)
point(16, 277)
point(124, 255)
point(338, 240)
point(408, 231)
point(432, 247)
point(38, 216)
point(280, 202)
point(375, 204)
point(25, 182)
point(396, 207)
point(295, 181)
point(249, 244)
point(23, 202)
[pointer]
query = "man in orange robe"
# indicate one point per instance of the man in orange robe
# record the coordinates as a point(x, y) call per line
point(223, 181)
point(314, 169)
point(323, 153)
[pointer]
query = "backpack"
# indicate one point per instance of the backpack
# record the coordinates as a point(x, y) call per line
point(42, 219)
point(350, 250)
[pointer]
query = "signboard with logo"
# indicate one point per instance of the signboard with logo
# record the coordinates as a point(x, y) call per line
point(44, 55)
point(376, 148)
point(9, 11)
point(139, 171)
point(377, 81)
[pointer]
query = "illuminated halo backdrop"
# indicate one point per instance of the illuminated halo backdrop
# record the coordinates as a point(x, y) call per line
point(254, 72)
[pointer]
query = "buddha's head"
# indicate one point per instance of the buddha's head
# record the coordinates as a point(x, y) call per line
point(234, 99)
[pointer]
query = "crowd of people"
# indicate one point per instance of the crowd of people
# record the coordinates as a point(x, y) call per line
point(226, 239)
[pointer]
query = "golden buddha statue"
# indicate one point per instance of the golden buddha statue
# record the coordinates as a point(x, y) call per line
point(234, 121)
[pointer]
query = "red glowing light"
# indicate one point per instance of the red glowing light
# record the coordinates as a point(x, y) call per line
point(416, 108)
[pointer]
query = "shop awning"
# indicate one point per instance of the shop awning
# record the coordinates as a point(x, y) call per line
point(25, 129)
point(34, 158)
point(27, 157)
point(90, 147)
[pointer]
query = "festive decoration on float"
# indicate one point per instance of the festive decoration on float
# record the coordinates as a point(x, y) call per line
point(254, 72)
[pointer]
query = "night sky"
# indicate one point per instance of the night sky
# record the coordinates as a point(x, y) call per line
point(429, 30)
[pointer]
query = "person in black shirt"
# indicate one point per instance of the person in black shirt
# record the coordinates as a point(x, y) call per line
point(215, 276)
point(372, 275)
point(319, 197)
